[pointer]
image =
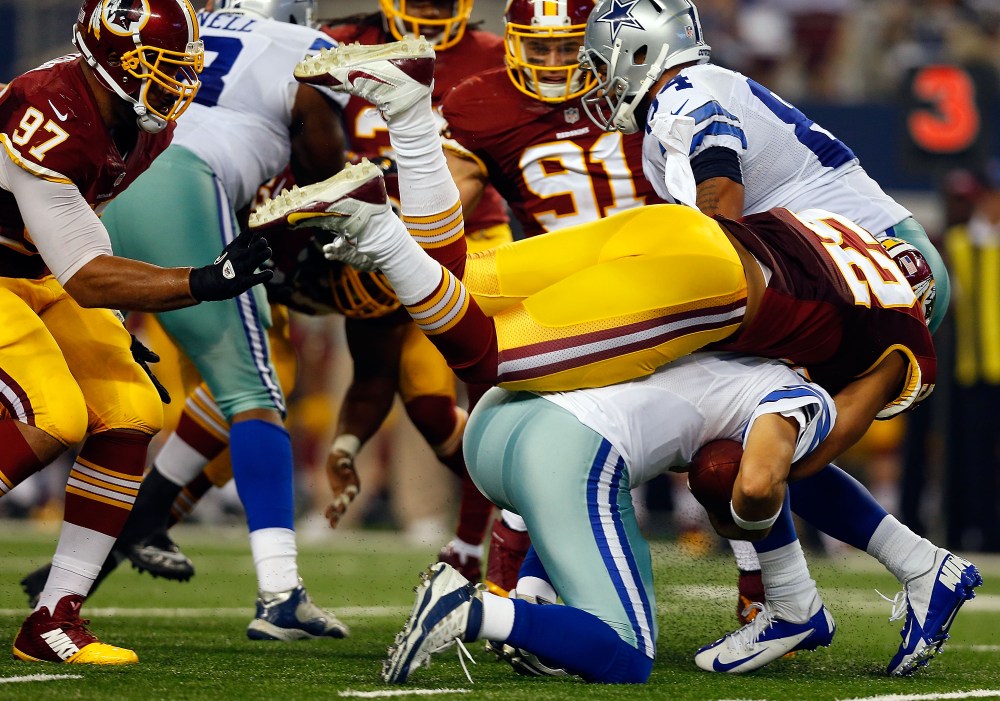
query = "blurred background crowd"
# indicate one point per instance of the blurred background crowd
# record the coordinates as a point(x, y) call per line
point(913, 86)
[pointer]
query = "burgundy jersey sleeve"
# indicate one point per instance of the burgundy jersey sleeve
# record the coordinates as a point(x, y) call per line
point(835, 302)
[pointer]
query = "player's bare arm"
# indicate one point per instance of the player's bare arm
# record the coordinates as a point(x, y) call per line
point(469, 177)
point(721, 196)
point(375, 346)
point(317, 137)
point(857, 406)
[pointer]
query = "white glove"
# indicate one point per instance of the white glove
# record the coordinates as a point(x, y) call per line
point(344, 251)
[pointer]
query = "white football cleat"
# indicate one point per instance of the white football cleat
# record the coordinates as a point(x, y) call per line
point(932, 601)
point(448, 610)
point(393, 77)
point(343, 204)
point(763, 640)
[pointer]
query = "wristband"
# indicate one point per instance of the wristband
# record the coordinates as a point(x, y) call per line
point(752, 525)
point(346, 443)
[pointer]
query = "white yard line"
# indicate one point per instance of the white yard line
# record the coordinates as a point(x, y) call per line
point(865, 600)
point(974, 648)
point(940, 696)
point(399, 692)
point(972, 694)
point(344, 611)
point(38, 678)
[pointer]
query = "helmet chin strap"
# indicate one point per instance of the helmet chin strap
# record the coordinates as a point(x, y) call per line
point(149, 123)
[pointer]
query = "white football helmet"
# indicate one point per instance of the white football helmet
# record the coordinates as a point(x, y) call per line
point(628, 45)
point(291, 11)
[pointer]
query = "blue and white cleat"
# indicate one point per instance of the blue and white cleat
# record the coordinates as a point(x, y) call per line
point(448, 610)
point(292, 615)
point(932, 601)
point(765, 639)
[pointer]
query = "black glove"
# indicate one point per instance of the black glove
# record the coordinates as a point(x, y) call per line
point(143, 356)
point(234, 271)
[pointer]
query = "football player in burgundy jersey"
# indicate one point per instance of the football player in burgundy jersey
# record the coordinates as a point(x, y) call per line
point(76, 132)
point(522, 128)
point(462, 51)
point(189, 198)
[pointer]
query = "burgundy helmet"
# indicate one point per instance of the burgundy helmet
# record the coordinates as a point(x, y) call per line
point(145, 51)
point(916, 271)
point(529, 25)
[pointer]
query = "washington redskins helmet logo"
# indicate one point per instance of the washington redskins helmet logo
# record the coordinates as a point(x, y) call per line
point(123, 17)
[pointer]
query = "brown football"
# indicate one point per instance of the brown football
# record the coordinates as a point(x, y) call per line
point(713, 471)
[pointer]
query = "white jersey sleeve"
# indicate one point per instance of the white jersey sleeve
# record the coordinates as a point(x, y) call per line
point(239, 121)
point(786, 159)
point(660, 421)
point(65, 230)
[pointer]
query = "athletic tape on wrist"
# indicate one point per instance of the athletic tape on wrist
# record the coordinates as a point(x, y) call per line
point(346, 443)
point(752, 525)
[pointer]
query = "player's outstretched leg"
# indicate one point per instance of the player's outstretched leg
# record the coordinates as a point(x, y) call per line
point(932, 600)
point(353, 204)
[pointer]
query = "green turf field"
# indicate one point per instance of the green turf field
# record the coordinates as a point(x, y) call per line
point(191, 643)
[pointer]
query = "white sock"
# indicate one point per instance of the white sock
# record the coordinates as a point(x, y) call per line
point(425, 183)
point(790, 591)
point(178, 461)
point(79, 556)
point(466, 549)
point(498, 618)
point(746, 556)
point(536, 587)
point(274, 557)
point(513, 521)
point(413, 274)
point(902, 551)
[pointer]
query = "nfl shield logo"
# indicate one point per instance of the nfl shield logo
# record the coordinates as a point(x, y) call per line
point(572, 115)
point(689, 30)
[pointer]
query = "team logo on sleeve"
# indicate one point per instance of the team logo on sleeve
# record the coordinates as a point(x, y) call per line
point(620, 15)
point(125, 17)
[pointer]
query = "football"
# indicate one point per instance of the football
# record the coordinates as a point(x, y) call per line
point(712, 473)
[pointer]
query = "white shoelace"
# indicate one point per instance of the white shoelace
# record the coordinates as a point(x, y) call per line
point(745, 638)
point(898, 604)
point(463, 652)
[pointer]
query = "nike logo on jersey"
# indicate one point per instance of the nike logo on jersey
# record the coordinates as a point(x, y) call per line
point(62, 117)
point(678, 110)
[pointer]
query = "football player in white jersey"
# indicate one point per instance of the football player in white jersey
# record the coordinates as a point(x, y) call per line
point(248, 122)
point(591, 447)
point(720, 141)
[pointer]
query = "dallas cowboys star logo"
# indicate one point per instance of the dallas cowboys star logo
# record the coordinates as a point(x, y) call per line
point(620, 15)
